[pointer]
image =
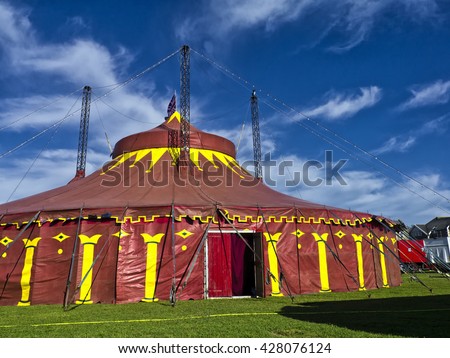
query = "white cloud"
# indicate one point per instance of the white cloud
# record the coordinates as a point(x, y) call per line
point(340, 106)
point(136, 110)
point(76, 22)
point(365, 191)
point(435, 93)
point(34, 111)
point(16, 27)
point(357, 21)
point(244, 14)
point(80, 62)
point(53, 168)
point(243, 141)
point(402, 143)
point(358, 17)
point(396, 144)
point(354, 20)
point(73, 64)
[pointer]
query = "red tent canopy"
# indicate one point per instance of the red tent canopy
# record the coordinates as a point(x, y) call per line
point(143, 175)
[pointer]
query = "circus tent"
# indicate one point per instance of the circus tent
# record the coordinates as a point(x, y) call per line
point(144, 228)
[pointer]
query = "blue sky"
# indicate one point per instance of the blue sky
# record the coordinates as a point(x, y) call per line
point(367, 79)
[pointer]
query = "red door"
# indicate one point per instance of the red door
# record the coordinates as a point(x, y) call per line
point(219, 265)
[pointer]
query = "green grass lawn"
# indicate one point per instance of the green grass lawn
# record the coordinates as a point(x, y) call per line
point(410, 310)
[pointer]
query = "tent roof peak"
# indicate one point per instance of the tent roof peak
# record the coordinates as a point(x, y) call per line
point(158, 137)
point(175, 116)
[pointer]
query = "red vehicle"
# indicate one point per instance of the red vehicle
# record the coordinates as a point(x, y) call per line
point(412, 253)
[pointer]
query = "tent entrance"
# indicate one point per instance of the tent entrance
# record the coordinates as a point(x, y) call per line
point(232, 268)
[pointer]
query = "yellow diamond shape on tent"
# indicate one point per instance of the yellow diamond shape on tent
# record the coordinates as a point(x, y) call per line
point(298, 233)
point(6, 241)
point(369, 235)
point(61, 237)
point(340, 234)
point(121, 233)
point(184, 233)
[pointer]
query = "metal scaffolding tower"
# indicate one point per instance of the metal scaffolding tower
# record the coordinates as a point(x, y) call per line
point(185, 105)
point(256, 135)
point(83, 135)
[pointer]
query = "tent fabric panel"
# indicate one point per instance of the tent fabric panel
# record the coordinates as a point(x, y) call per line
point(132, 262)
point(385, 256)
point(12, 258)
point(369, 276)
point(143, 275)
point(52, 263)
point(373, 256)
point(324, 265)
point(219, 265)
point(96, 275)
point(370, 271)
point(296, 260)
point(344, 262)
point(376, 257)
point(319, 257)
point(194, 288)
point(393, 260)
point(187, 235)
point(281, 238)
point(309, 270)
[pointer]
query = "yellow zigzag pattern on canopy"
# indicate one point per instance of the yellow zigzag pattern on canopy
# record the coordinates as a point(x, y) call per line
point(155, 154)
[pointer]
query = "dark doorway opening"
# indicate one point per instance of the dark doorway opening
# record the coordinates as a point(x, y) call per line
point(234, 267)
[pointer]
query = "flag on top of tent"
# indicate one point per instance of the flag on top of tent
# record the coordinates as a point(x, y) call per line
point(172, 107)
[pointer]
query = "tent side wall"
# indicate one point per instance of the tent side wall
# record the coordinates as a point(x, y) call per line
point(148, 259)
point(110, 263)
point(138, 261)
point(36, 266)
point(308, 258)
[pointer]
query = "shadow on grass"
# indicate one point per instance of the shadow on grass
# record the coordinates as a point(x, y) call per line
point(402, 316)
